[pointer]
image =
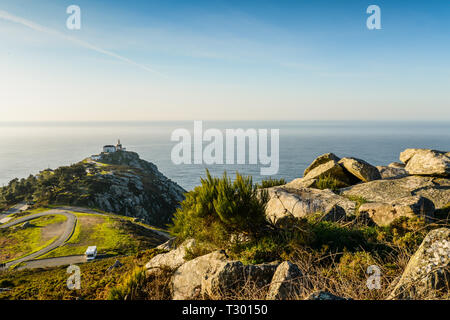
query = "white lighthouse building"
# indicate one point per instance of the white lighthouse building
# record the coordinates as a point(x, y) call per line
point(109, 148)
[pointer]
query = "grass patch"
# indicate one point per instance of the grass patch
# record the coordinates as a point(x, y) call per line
point(359, 201)
point(17, 242)
point(50, 284)
point(329, 182)
point(268, 183)
point(111, 235)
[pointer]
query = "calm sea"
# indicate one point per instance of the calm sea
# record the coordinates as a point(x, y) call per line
point(28, 148)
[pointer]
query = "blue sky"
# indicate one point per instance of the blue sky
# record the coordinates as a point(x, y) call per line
point(226, 60)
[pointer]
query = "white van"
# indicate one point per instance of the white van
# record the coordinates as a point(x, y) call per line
point(91, 253)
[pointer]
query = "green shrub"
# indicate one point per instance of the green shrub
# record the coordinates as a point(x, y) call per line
point(354, 265)
point(328, 182)
point(131, 288)
point(268, 183)
point(404, 232)
point(336, 237)
point(219, 209)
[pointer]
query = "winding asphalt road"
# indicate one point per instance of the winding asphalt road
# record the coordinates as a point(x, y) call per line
point(69, 227)
point(22, 206)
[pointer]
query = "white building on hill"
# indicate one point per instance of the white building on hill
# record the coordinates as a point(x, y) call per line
point(110, 148)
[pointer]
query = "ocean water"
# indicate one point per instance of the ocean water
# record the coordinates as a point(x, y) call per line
point(27, 148)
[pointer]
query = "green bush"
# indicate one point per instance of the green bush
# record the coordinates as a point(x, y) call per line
point(404, 232)
point(328, 182)
point(219, 209)
point(354, 265)
point(336, 237)
point(131, 288)
point(268, 183)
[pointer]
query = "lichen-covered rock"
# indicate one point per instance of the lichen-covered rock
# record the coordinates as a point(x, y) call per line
point(231, 276)
point(397, 165)
point(286, 282)
point(214, 275)
point(168, 245)
point(187, 279)
point(427, 162)
point(330, 169)
point(435, 189)
point(324, 158)
point(389, 172)
point(407, 154)
point(285, 203)
point(360, 169)
point(428, 270)
point(300, 183)
point(170, 260)
point(383, 214)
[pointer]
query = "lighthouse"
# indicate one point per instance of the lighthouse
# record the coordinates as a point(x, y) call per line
point(119, 146)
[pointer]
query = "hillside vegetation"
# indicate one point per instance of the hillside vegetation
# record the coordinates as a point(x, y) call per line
point(120, 183)
point(50, 284)
point(112, 236)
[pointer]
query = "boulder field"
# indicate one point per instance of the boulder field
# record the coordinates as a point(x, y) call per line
point(419, 186)
point(215, 275)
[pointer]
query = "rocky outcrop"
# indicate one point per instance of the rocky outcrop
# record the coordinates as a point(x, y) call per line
point(170, 260)
point(214, 275)
point(321, 160)
point(407, 154)
point(125, 184)
point(388, 172)
point(397, 165)
point(435, 189)
point(360, 169)
point(428, 270)
point(301, 183)
point(384, 214)
point(168, 245)
point(232, 276)
point(286, 282)
point(346, 171)
point(426, 162)
point(187, 279)
point(285, 204)
point(329, 169)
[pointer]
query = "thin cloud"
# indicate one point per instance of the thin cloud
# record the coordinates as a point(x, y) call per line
point(37, 27)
